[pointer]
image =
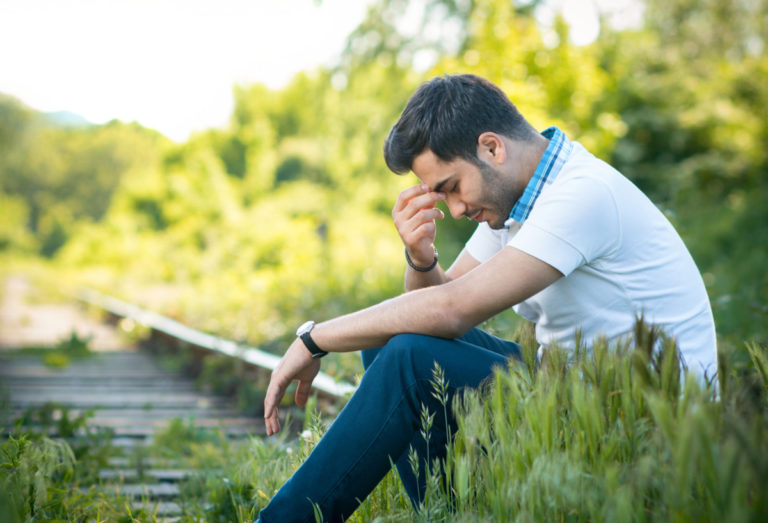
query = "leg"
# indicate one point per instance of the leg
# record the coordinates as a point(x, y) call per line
point(416, 486)
point(377, 425)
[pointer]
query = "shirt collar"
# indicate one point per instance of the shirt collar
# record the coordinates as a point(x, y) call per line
point(551, 163)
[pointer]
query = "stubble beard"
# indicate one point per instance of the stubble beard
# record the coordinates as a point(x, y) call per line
point(498, 195)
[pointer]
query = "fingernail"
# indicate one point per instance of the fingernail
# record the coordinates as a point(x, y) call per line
point(424, 187)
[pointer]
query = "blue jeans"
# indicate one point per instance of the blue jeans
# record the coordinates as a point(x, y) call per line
point(382, 420)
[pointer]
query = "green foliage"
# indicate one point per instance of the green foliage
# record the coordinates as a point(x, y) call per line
point(66, 350)
point(611, 434)
point(615, 433)
point(232, 480)
point(246, 231)
point(91, 447)
point(63, 352)
point(284, 215)
point(44, 479)
point(180, 436)
point(64, 175)
point(14, 216)
point(25, 473)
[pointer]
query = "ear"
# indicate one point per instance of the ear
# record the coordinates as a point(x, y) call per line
point(491, 148)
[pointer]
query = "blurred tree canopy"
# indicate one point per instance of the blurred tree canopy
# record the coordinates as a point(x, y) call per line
point(285, 213)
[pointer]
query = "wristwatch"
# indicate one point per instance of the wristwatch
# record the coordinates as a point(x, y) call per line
point(303, 333)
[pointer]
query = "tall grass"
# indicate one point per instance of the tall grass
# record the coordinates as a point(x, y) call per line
point(616, 433)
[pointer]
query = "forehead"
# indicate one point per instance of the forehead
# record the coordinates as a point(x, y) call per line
point(433, 171)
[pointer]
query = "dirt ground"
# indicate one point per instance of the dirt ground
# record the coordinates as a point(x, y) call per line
point(25, 322)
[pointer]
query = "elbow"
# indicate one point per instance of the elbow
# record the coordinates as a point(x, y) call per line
point(456, 330)
point(462, 326)
point(453, 322)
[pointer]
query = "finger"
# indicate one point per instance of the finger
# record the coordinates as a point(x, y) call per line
point(275, 393)
point(419, 235)
point(422, 201)
point(422, 217)
point(272, 423)
point(408, 194)
point(271, 402)
point(302, 392)
point(426, 231)
point(410, 201)
point(420, 243)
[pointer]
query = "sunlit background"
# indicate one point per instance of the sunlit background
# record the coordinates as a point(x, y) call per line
point(171, 64)
point(220, 162)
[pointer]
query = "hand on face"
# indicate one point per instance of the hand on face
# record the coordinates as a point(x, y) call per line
point(414, 215)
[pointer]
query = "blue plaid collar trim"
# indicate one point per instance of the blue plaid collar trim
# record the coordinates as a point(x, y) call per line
point(549, 167)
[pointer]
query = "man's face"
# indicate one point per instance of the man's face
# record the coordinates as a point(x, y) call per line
point(482, 194)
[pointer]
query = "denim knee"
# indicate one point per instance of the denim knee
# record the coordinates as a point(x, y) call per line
point(368, 355)
point(398, 343)
point(408, 352)
point(407, 342)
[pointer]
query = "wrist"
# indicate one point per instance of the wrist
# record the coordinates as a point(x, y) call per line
point(417, 266)
point(303, 333)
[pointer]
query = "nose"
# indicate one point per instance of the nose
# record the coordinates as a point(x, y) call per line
point(456, 207)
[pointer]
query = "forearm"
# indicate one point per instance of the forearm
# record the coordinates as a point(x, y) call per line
point(446, 311)
point(423, 311)
point(420, 280)
point(463, 264)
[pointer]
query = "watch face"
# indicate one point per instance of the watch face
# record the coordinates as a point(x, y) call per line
point(305, 327)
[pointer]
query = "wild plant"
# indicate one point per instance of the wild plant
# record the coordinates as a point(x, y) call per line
point(619, 432)
point(615, 433)
point(38, 483)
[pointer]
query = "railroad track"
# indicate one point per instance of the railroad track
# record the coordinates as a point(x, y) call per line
point(125, 396)
point(131, 398)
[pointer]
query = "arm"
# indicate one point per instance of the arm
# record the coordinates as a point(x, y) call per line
point(414, 215)
point(446, 311)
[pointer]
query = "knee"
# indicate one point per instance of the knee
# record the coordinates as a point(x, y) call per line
point(368, 355)
point(406, 342)
point(406, 349)
point(398, 346)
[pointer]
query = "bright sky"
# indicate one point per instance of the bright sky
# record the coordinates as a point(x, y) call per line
point(171, 64)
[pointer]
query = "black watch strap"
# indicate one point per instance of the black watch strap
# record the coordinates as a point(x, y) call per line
point(304, 333)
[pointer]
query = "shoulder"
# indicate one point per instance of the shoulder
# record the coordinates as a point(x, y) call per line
point(577, 217)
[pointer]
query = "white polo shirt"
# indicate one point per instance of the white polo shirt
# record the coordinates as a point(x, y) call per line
point(621, 259)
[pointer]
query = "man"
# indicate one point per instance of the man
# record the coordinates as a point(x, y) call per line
point(563, 238)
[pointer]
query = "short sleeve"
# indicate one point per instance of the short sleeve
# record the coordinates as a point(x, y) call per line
point(483, 243)
point(574, 222)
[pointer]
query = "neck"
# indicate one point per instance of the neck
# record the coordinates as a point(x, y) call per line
point(525, 156)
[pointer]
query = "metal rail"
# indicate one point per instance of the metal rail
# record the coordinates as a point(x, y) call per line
point(173, 328)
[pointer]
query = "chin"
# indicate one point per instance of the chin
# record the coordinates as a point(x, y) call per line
point(496, 223)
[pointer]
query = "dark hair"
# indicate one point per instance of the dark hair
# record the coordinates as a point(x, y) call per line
point(446, 115)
